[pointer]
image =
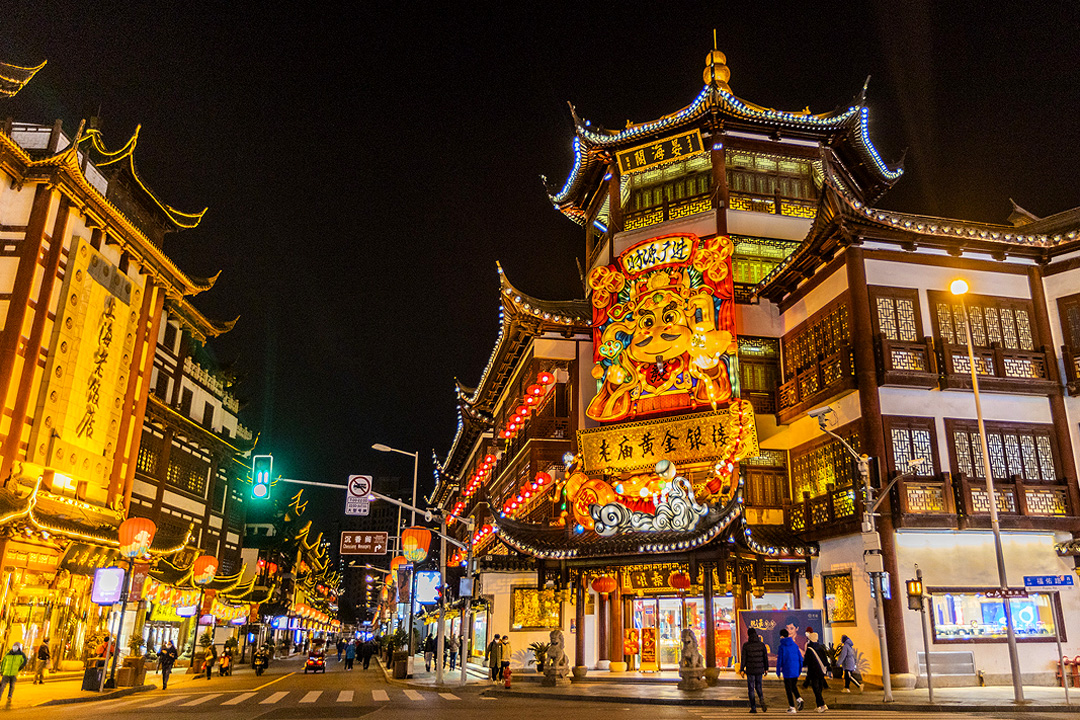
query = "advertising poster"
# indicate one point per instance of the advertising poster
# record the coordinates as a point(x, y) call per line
point(631, 640)
point(648, 648)
point(769, 623)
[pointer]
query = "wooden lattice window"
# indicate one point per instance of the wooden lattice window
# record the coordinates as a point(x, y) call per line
point(1025, 451)
point(149, 451)
point(1069, 311)
point(761, 174)
point(187, 472)
point(896, 313)
point(822, 335)
point(907, 438)
point(1005, 322)
point(824, 462)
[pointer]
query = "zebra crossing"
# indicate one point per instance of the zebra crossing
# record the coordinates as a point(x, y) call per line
point(205, 701)
point(725, 713)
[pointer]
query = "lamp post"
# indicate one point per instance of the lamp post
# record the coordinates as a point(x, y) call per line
point(917, 596)
point(959, 288)
point(136, 534)
point(875, 563)
point(416, 462)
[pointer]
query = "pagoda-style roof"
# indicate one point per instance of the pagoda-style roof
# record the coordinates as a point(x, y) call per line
point(521, 318)
point(200, 326)
point(842, 219)
point(845, 131)
point(775, 541)
point(160, 412)
point(14, 78)
point(561, 542)
point(120, 164)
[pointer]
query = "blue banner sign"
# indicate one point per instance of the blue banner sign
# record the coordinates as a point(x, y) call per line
point(1047, 580)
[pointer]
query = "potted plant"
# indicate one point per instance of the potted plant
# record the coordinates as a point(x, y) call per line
point(539, 651)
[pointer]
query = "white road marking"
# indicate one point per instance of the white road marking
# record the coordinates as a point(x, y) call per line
point(166, 701)
point(200, 700)
point(413, 695)
point(239, 698)
point(449, 696)
point(274, 698)
point(311, 696)
point(345, 696)
point(380, 696)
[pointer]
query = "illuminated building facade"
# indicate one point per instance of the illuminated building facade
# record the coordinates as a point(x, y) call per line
point(740, 277)
point(89, 302)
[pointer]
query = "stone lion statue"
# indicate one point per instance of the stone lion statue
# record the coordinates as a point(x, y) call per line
point(556, 664)
point(691, 656)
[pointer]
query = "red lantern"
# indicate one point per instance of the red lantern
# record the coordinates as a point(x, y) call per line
point(542, 478)
point(679, 581)
point(136, 534)
point(399, 560)
point(545, 378)
point(535, 390)
point(415, 542)
point(604, 585)
point(204, 569)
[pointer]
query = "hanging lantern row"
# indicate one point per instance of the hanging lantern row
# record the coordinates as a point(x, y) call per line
point(225, 613)
point(475, 481)
point(525, 494)
point(136, 535)
point(415, 542)
point(478, 537)
point(167, 595)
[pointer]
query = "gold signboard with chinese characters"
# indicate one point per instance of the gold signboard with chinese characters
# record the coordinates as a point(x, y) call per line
point(82, 394)
point(724, 436)
point(641, 158)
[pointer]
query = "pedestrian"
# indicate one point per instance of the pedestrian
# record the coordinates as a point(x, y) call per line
point(754, 665)
point(816, 667)
point(452, 650)
point(43, 656)
point(505, 656)
point(225, 667)
point(350, 655)
point(493, 657)
point(366, 651)
point(166, 658)
point(789, 667)
point(210, 661)
point(848, 663)
point(340, 648)
point(429, 651)
point(10, 666)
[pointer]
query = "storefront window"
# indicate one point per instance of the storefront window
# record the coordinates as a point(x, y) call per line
point(967, 616)
point(480, 639)
point(727, 654)
point(533, 609)
point(773, 601)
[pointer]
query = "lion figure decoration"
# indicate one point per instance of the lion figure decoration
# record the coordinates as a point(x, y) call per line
point(556, 654)
point(691, 656)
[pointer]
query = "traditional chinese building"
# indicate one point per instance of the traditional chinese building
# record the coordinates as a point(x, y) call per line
point(91, 311)
point(667, 474)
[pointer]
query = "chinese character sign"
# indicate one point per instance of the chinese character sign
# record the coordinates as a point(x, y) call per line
point(643, 157)
point(664, 328)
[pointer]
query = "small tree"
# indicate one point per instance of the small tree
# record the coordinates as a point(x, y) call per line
point(205, 640)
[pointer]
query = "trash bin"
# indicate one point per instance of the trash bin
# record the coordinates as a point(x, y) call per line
point(401, 669)
point(92, 678)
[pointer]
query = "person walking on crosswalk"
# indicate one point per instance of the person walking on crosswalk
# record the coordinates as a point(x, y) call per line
point(494, 657)
point(10, 666)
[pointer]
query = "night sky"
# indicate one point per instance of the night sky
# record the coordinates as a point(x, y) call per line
point(365, 166)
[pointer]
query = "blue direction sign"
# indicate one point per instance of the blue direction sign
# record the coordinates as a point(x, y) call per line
point(1047, 580)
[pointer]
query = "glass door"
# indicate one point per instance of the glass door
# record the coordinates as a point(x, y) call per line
point(695, 620)
point(645, 622)
point(670, 631)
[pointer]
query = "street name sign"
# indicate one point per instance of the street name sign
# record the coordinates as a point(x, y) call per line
point(1047, 580)
point(363, 543)
point(356, 499)
point(1002, 593)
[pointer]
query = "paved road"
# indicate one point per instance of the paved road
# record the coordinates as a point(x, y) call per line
point(286, 694)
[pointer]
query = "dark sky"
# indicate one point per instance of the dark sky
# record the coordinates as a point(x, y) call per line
point(366, 165)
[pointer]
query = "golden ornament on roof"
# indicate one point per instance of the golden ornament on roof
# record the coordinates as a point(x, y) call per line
point(716, 68)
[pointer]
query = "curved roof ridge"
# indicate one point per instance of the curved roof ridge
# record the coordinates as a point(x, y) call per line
point(14, 78)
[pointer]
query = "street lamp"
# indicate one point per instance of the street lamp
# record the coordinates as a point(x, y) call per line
point(917, 597)
point(416, 463)
point(875, 563)
point(959, 288)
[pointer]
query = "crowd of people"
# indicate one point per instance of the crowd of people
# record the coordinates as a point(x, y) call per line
point(791, 660)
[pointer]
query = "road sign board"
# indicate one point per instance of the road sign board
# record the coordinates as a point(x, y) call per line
point(1002, 593)
point(1047, 580)
point(356, 499)
point(363, 543)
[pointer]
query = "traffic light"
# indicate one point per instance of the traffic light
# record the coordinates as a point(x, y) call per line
point(261, 468)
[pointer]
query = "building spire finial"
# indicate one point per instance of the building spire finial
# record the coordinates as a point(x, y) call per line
point(716, 69)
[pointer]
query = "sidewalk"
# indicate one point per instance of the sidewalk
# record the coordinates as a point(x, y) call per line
point(661, 689)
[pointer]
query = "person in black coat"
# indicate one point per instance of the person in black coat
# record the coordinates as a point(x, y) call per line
point(754, 663)
point(816, 661)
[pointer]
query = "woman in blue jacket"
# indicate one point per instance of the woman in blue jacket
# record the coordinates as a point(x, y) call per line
point(789, 667)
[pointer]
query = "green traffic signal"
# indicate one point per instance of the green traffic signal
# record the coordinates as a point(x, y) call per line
point(261, 468)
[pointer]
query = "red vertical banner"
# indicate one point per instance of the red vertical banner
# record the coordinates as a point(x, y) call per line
point(139, 573)
point(207, 602)
point(648, 645)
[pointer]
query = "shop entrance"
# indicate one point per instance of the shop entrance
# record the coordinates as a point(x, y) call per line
point(660, 622)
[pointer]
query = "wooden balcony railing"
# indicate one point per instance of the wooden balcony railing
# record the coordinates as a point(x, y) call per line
point(815, 384)
point(1072, 369)
point(836, 512)
point(670, 210)
point(1019, 504)
point(774, 204)
point(764, 403)
point(909, 364)
point(1000, 370)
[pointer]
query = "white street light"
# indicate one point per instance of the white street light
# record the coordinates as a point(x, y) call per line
point(959, 288)
point(416, 463)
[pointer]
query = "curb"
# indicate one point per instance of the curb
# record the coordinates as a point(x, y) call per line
point(97, 698)
point(719, 702)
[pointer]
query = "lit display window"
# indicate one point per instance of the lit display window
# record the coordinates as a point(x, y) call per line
point(533, 609)
point(970, 616)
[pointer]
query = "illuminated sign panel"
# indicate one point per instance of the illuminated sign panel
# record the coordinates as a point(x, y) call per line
point(108, 586)
point(641, 158)
point(86, 376)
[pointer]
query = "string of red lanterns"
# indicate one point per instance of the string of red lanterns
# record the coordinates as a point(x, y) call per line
point(525, 494)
